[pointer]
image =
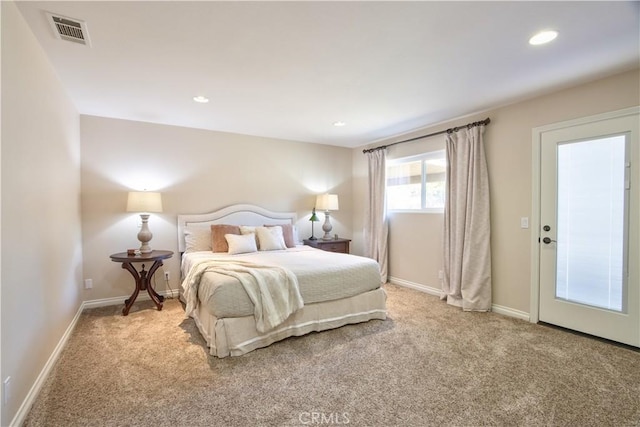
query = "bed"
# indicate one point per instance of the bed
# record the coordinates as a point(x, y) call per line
point(333, 289)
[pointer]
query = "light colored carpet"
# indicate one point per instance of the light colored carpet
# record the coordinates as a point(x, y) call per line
point(428, 364)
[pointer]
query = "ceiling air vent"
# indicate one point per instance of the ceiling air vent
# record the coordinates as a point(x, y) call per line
point(69, 29)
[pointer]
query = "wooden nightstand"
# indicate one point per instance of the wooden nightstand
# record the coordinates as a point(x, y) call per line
point(144, 277)
point(333, 245)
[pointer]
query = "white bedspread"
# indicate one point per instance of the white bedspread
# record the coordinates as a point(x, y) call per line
point(322, 276)
point(273, 290)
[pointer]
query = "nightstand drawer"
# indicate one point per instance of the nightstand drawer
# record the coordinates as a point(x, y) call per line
point(335, 245)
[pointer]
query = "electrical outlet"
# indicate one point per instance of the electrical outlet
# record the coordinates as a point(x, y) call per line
point(440, 274)
point(88, 283)
point(166, 276)
point(5, 390)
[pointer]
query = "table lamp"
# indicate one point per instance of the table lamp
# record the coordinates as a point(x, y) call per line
point(314, 218)
point(144, 202)
point(327, 203)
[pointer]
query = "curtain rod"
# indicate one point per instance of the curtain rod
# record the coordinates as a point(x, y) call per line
point(450, 130)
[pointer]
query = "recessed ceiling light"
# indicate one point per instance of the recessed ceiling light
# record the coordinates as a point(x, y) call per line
point(543, 37)
point(339, 124)
point(201, 99)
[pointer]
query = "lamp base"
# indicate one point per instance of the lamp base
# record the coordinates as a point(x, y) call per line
point(327, 227)
point(145, 235)
point(145, 250)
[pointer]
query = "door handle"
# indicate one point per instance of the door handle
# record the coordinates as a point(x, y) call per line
point(547, 240)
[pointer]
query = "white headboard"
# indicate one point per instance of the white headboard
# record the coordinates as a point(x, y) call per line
point(234, 215)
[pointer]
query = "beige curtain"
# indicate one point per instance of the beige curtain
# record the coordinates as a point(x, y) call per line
point(376, 228)
point(467, 231)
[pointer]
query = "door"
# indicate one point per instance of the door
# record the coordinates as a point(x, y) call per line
point(588, 236)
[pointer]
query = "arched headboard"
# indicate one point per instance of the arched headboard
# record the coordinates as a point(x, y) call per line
point(242, 214)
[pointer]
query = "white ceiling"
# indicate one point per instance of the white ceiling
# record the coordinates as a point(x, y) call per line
point(289, 70)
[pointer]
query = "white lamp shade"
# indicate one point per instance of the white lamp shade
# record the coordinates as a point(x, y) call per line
point(327, 202)
point(144, 201)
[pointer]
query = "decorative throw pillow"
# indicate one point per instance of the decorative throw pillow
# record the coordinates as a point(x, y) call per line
point(241, 243)
point(287, 233)
point(270, 238)
point(250, 229)
point(296, 236)
point(218, 232)
point(247, 229)
point(197, 238)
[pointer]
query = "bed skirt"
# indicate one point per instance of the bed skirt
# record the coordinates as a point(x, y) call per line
point(235, 336)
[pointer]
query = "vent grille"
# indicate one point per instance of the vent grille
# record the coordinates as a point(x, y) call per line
point(69, 29)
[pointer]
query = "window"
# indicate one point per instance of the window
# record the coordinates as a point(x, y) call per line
point(417, 183)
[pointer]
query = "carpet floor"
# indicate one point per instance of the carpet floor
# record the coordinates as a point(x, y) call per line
point(427, 364)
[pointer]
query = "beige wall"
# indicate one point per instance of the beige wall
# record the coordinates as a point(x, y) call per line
point(415, 239)
point(197, 171)
point(41, 242)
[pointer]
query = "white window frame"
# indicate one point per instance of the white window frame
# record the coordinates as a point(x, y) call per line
point(435, 154)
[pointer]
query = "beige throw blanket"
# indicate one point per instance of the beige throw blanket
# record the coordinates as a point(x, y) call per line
point(273, 290)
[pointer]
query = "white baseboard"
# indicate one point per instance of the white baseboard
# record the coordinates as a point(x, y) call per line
point(417, 286)
point(104, 302)
point(24, 409)
point(500, 309)
point(511, 312)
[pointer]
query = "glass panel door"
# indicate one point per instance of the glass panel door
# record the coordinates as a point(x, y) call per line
point(589, 235)
point(591, 222)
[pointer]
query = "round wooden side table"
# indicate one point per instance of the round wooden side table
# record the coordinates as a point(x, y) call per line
point(142, 278)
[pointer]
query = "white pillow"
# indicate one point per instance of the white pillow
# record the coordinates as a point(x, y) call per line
point(241, 243)
point(247, 229)
point(250, 229)
point(296, 236)
point(270, 238)
point(197, 238)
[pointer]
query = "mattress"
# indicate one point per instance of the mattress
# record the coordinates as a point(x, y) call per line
point(322, 276)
